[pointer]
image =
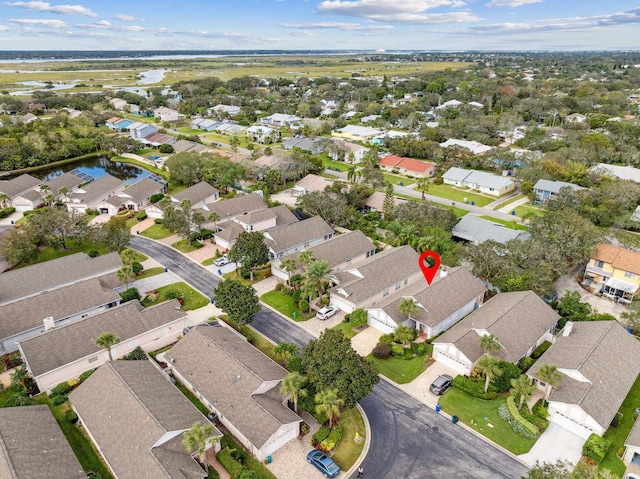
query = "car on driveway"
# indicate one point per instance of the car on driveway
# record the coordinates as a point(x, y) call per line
point(324, 463)
point(326, 312)
point(440, 385)
point(222, 260)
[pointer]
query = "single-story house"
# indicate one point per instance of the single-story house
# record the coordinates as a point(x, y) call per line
point(340, 252)
point(244, 394)
point(204, 124)
point(135, 197)
point(449, 104)
point(344, 150)
point(262, 134)
point(477, 230)
point(357, 133)
point(228, 128)
point(473, 146)
point(311, 183)
point(158, 139)
point(520, 321)
point(375, 202)
point(280, 120)
point(166, 114)
point(369, 118)
point(545, 189)
point(230, 208)
point(181, 146)
point(452, 295)
point(136, 419)
point(290, 238)
point(310, 145)
point(576, 118)
point(28, 317)
point(33, 446)
point(64, 353)
point(482, 181)
point(599, 362)
point(228, 109)
point(39, 278)
point(614, 171)
point(91, 195)
point(407, 166)
point(18, 186)
point(370, 281)
point(199, 195)
point(118, 124)
point(118, 103)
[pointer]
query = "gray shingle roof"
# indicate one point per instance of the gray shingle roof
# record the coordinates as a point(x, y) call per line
point(284, 237)
point(228, 371)
point(606, 355)
point(517, 320)
point(555, 186)
point(68, 180)
point(236, 206)
point(438, 301)
point(478, 230)
point(29, 313)
point(32, 446)
point(63, 345)
point(94, 190)
point(55, 274)
point(633, 439)
point(128, 406)
point(141, 190)
point(196, 193)
point(314, 183)
point(18, 185)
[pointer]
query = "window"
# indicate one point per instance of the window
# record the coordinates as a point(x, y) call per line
point(628, 274)
point(93, 359)
point(398, 286)
point(385, 293)
point(598, 263)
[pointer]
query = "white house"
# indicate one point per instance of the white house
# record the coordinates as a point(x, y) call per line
point(474, 147)
point(281, 119)
point(482, 181)
point(262, 134)
point(91, 195)
point(166, 114)
point(294, 237)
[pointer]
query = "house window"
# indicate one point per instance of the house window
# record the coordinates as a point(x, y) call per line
point(398, 286)
point(385, 293)
point(306, 245)
point(598, 263)
point(93, 359)
point(628, 274)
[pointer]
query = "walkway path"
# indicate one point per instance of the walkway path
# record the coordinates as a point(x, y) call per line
point(512, 206)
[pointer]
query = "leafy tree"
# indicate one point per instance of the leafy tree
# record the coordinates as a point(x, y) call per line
point(489, 367)
point(20, 377)
point(56, 225)
point(328, 403)
point(489, 344)
point(107, 341)
point(186, 168)
point(199, 438)
point(114, 234)
point(293, 385)
point(571, 308)
point(288, 265)
point(522, 387)
point(249, 251)
point(550, 375)
point(331, 207)
point(183, 220)
point(358, 318)
point(285, 351)
point(238, 301)
point(20, 244)
point(331, 362)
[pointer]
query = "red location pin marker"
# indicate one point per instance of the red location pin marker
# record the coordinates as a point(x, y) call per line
point(427, 268)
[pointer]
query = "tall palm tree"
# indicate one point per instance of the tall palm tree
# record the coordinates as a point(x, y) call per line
point(318, 273)
point(352, 174)
point(215, 217)
point(329, 403)
point(234, 142)
point(124, 274)
point(198, 439)
point(550, 375)
point(293, 385)
point(4, 200)
point(306, 257)
point(403, 334)
point(409, 306)
point(128, 256)
point(288, 265)
point(106, 341)
point(489, 344)
point(521, 386)
point(422, 185)
point(489, 367)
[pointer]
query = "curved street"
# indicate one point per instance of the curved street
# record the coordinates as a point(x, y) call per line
point(408, 439)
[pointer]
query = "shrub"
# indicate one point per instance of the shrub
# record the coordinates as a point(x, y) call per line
point(419, 348)
point(303, 305)
point(71, 416)
point(137, 354)
point(510, 371)
point(540, 423)
point(16, 401)
point(249, 474)
point(320, 435)
point(229, 463)
point(515, 413)
point(136, 267)
point(295, 364)
point(60, 389)
point(141, 216)
point(358, 318)
point(473, 388)
point(166, 148)
point(386, 339)
point(156, 197)
point(381, 351)
point(57, 400)
point(540, 410)
point(295, 295)
point(296, 280)
point(7, 211)
point(94, 253)
point(397, 350)
point(158, 221)
point(518, 428)
point(332, 440)
point(129, 295)
point(617, 419)
point(85, 375)
point(171, 293)
point(595, 448)
point(279, 287)
point(540, 350)
point(525, 363)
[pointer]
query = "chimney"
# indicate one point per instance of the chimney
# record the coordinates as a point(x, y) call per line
point(443, 272)
point(566, 331)
point(49, 323)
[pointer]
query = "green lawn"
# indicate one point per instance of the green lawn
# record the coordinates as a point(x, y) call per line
point(150, 272)
point(190, 131)
point(346, 329)
point(73, 247)
point(348, 450)
point(508, 224)
point(397, 179)
point(285, 304)
point(457, 194)
point(209, 261)
point(191, 397)
point(185, 246)
point(473, 411)
point(522, 210)
point(156, 232)
point(190, 297)
point(617, 435)
point(400, 371)
point(137, 256)
point(328, 162)
point(511, 200)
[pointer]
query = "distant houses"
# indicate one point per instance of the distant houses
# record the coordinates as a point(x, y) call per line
point(407, 166)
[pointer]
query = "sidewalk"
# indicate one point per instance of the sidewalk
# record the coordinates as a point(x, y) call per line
point(512, 206)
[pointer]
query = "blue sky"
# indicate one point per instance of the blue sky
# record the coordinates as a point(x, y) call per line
point(320, 24)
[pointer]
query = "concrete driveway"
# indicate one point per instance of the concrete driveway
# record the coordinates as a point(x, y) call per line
point(364, 342)
point(565, 284)
point(419, 387)
point(556, 443)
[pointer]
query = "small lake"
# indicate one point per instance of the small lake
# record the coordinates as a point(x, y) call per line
point(96, 168)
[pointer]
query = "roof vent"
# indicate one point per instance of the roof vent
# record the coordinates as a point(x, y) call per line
point(567, 329)
point(49, 323)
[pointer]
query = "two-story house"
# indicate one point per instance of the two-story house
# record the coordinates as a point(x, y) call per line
point(614, 272)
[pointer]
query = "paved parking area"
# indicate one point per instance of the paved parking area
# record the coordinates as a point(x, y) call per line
point(366, 340)
point(565, 284)
point(419, 387)
point(154, 282)
point(556, 443)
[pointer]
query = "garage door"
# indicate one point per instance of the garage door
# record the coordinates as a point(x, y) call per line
point(281, 441)
point(571, 425)
point(379, 325)
point(454, 364)
point(341, 305)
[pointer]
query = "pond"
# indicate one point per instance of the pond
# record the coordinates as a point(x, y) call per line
point(96, 168)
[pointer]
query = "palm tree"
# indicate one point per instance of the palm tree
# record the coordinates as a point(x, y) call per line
point(44, 187)
point(549, 374)
point(48, 199)
point(215, 217)
point(288, 265)
point(293, 385)
point(20, 376)
point(124, 274)
point(422, 185)
point(404, 335)
point(318, 273)
point(521, 386)
point(106, 341)
point(489, 344)
point(306, 257)
point(198, 439)
point(352, 174)
point(128, 256)
point(285, 351)
point(328, 403)
point(4, 199)
point(489, 367)
point(234, 142)
point(409, 306)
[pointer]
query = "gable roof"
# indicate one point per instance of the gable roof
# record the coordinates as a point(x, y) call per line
point(284, 237)
point(517, 319)
point(65, 344)
point(376, 200)
point(133, 412)
point(607, 359)
point(140, 190)
point(68, 180)
point(196, 193)
point(33, 447)
point(29, 313)
point(54, 274)
point(237, 205)
point(181, 146)
point(475, 147)
point(409, 164)
point(18, 185)
point(615, 171)
point(619, 258)
point(633, 439)
point(237, 385)
point(555, 186)
point(94, 190)
point(313, 182)
point(472, 228)
point(446, 295)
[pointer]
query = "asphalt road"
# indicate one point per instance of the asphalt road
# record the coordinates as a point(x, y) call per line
point(408, 439)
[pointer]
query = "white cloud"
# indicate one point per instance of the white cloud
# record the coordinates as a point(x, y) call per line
point(511, 3)
point(3, 28)
point(347, 27)
point(39, 21)
point(47, 7)
point(124, 17)
point(371, 8)
point(301, 33)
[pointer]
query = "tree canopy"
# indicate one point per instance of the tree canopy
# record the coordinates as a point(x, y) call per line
point(238, 301)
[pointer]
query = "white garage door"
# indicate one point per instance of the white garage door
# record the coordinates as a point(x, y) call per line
point(278, 443)
point(571, 425)
point(341, 305)
point(376, 323)
point(457, 366)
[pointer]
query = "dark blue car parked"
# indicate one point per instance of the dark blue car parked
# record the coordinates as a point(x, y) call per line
point(324, 463)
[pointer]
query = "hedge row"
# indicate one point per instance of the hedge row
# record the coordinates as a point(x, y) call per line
point(473, 388)
point(330, 442)
point(233, 467)
point(515, 413)
point(6, 212)
point(595, 448)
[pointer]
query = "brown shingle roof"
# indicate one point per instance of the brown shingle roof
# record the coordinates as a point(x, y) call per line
point(141, 190)
point(94, 190)
point(620, 258)
point(63, 345)
point(18, 185)
point(33, 446)
point(196, 193)
point(68, 180)
point(236, 206)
